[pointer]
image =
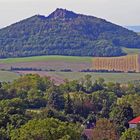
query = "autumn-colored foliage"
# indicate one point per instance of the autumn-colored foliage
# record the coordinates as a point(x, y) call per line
point(104, 130)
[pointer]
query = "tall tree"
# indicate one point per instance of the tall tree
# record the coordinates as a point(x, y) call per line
point(121, 115)
point(55, 98)
point(68, 105)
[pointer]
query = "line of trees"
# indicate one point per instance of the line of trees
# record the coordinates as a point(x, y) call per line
point(37, 69)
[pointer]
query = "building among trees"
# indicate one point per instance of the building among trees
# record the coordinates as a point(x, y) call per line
point(134, 123)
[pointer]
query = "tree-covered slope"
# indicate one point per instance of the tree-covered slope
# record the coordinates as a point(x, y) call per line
point(65, 33)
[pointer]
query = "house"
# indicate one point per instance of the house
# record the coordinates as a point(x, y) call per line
point(134, 123)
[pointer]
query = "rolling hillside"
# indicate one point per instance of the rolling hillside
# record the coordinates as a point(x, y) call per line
point(65, 33)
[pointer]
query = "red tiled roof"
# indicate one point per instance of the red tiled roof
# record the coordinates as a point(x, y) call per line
point(135, 121)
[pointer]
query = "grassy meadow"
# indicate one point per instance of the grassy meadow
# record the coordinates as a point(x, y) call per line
point(109, 77)
point(46, 58)
point(58, 58)
point(56, 63)
point(7, 76)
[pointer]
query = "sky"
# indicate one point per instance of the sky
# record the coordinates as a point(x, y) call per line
point(121, 12)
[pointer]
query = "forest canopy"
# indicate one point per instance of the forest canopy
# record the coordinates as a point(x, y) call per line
point(33, 107)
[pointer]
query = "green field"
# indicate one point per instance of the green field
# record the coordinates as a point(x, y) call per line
point(7, 76)
point(131, 51)
point(109, 77)
point(45, 58)
point(58, 58)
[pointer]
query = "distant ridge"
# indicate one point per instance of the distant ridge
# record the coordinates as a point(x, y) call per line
point(134, 28)
point(64, 32)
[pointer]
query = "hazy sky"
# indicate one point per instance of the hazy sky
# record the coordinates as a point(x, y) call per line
point(122, 12)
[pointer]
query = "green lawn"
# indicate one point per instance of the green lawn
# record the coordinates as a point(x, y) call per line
point(131, 51)
point(45, 58)
point(7, 76)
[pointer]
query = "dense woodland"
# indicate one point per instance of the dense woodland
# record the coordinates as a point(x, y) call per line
point(65, 33)
point(34, 108)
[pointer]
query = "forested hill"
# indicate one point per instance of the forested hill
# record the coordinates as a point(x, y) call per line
point(65, 33)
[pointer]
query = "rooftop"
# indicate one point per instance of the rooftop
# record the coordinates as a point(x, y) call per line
point(135, 120)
